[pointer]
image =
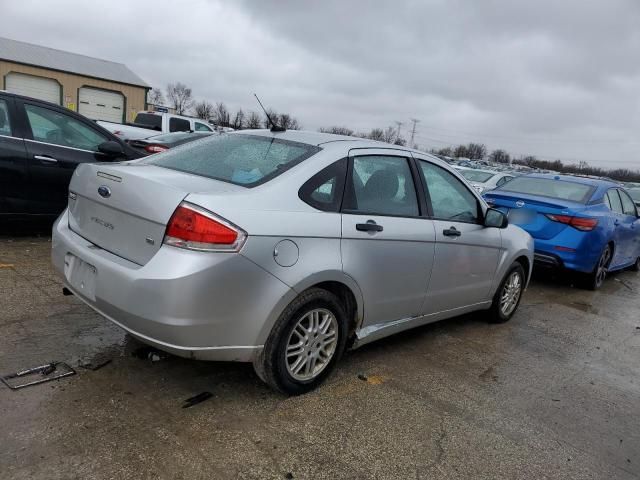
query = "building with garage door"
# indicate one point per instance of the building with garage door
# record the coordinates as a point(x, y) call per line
point(98, 89)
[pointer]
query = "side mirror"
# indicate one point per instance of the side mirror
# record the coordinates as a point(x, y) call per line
point(111, 148)
point(495, 218)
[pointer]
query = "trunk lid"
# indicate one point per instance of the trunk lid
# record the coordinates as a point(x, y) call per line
point(124, 207)
point(528, 212)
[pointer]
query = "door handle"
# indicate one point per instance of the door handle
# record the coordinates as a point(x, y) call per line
point(451, 232)
point(370, 226)
point(45, 159)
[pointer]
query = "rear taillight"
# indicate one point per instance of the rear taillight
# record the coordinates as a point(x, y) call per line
point(155, 148)
point(581, 223)
point(195, 228)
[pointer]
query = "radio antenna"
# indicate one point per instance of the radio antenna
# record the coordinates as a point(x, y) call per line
point(274, 127)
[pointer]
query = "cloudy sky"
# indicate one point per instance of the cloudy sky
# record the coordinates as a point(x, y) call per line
point(558, 79)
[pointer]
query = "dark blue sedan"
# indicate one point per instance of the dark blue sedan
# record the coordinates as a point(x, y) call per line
point(583, 224)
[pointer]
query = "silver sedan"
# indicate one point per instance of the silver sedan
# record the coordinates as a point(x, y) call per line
point(284, 249)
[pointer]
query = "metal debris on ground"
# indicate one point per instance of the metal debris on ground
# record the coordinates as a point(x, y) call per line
point(201, 397)
point(61, 369)
point(362, 376)
point(149, 353)
point(95, 365)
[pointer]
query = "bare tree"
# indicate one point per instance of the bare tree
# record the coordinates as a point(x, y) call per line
point(155, 97)
point(400, 141)
point(337, 130)
point(376, 134)
point(287, 121)
point(476, 151)
point(445, 152)
point(238, 120)
point(390, 135)
point(204, 110)
point(461, 151)
point(221, 116)
point(253, 121)
point(500, 156)
point(180, 97)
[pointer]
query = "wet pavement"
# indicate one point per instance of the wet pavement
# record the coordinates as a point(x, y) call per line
point(555, 393)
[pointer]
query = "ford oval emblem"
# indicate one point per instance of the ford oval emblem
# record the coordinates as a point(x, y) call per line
point(519, 204)
point(104, 191)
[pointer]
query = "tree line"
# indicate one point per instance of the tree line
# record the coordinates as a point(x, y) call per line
point(478, 151)
point(180, 97)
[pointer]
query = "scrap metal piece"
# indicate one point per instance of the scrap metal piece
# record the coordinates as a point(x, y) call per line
point(201, 397)
point(45, 371)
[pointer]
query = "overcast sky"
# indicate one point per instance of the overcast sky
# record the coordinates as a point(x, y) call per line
point(554, 78)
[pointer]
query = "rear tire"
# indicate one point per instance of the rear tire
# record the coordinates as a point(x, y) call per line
point(305, 344)
point(636, 266)
point(508, 295)
point(596, 278)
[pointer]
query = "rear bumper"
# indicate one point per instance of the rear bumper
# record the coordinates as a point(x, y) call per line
point(583, 258)
point(208, 306)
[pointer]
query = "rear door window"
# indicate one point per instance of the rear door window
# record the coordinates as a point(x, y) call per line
point(246, 160)
point(615, 204)
point(628, 207)
point(52, 126)
point(5, 126)
point(381, 185)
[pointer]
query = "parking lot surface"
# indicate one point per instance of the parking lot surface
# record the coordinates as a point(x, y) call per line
point(554, 393)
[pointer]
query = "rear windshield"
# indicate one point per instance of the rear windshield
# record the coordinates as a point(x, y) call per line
point(549, 187)
point(177, 136)
point(246, 160)
point(476, 175)
point(150, 120)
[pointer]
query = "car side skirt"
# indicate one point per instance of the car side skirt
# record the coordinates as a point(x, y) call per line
point(375, 332)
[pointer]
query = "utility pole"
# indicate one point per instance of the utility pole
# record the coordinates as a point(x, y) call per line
point(413, 131)
point(399, 125)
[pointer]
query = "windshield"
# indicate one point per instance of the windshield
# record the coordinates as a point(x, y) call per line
point(476, 175)
point(549, 187)
point(246, 160)
point(635, 194)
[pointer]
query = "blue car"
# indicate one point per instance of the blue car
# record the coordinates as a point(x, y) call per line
point(582, 224)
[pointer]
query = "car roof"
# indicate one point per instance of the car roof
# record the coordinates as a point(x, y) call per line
point(319, 138)
point(594, 182)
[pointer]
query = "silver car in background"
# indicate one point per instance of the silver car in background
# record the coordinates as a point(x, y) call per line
point(284, 249)
point(485, 180)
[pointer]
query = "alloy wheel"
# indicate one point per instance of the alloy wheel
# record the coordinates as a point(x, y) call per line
point(511, 292)
point(603, 266)
point(311, 344)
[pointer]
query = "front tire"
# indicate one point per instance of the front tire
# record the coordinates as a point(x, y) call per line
point(636, 266)
point(305, 344)
point(508, 295)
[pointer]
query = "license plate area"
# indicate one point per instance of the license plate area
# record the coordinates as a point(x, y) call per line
point(80, 275)
point(521, 216)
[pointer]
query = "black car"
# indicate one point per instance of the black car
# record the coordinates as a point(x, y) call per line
point(165, 141)
point(40, 146)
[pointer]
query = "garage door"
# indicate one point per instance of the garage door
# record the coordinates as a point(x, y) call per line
point(101, 105)
point(32, 86)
